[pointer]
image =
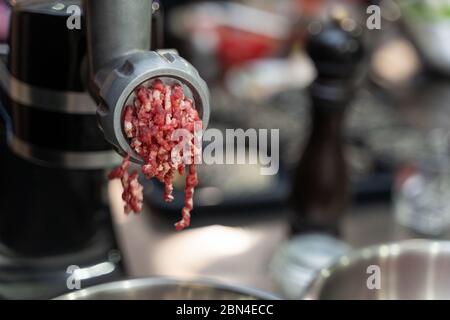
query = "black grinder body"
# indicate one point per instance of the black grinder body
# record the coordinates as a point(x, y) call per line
point(54, 209)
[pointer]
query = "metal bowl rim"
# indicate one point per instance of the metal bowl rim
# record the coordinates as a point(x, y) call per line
point(366, 253)
point(165, 281)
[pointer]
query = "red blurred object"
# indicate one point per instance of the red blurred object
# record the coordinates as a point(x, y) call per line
point(404, 173)
point(236, 46)
point(310, 7)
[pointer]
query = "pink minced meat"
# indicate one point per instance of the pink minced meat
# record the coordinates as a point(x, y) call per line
point(149, 123)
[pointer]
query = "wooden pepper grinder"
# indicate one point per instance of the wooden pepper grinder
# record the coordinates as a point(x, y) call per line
point(320, 187)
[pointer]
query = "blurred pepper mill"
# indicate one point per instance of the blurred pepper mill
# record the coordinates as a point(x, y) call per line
point(320, 186)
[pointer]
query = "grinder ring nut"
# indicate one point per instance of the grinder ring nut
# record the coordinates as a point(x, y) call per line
point(130, 72)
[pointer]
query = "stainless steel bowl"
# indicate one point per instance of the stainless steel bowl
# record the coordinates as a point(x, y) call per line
point(165, 289)
point(413, 269)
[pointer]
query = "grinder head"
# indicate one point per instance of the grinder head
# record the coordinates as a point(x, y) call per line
point(116, 84)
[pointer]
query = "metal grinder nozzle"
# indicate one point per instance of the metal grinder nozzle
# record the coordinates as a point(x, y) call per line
point(136, 69)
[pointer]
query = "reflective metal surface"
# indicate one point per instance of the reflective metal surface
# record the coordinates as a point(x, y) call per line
point(64, 159)
point(296, 262)
point(165, 289)
point(413, 269)
point(57, 101)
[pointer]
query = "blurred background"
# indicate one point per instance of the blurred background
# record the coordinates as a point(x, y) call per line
point(367, 165)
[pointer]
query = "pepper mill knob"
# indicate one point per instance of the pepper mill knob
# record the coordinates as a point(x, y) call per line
point(336, 49)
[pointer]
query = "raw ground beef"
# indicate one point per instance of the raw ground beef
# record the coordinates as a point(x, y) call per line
point(149, 123)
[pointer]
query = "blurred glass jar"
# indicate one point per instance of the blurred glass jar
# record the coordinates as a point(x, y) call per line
point(421, 195)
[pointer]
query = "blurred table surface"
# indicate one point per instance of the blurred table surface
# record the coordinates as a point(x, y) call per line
point(230, 251)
